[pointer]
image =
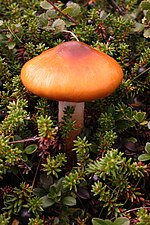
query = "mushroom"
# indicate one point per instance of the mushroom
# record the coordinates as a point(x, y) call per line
point(72, 73)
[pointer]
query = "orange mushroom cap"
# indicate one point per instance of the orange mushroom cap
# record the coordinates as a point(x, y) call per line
point(72, 71)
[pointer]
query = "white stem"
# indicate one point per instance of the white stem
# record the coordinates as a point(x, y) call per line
point(78, 117)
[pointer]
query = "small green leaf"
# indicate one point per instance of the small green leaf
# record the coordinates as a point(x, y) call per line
point(51, 13)
point(59, 184)
point(68, 23)
point(47, 202)
point(97, 221)
point(147, 147)
point(46, 5)
point(144, 157)
point(69, 200)
point(73, 9)
point(58, 25)
point(146, 33)
point(43, 19)
point(122, 221)
point(39, 192)
point(139, 117)
point(11, 44)
point(25, 157)
point(46, 181)
point(30, 149)
point(109, 222)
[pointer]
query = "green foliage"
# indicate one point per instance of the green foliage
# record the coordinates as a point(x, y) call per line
point(4, 68)
point(107, 140)
point(55, 197)
point(35, 221)
point(115, 166)
point(72, 9)
point(118, 221)
point(6, 75)
point(32, 50)
point(14, 201)
point(114, 172)
point(30, 149)
point(141, 16)
point(44, 107)
point(144, 217)
point(145, 156)
point(120, 28)
point(53, 165)
point(54, 193)
point(113, 121)
point(9, 155)
point(77, 175)
point(4, 219)
point(103, 181)
point(17, 117)
point(20, 198)
point(45, 127)
point(107, 198)
point(50, 20)
point(18, 21)
point(106, 122)
point(73, 179)
point(34, 205)
point(82, 149)
point(120, 118)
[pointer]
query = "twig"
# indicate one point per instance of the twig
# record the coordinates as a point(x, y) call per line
point(25, 140)
point(15, 36)
point(135, 209)
point(65, 15)
point(35, 175)
point(116, 7)
point(139, 74)
point(13, 33)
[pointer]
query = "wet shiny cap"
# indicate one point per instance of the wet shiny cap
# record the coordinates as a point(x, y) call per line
point(72, 71)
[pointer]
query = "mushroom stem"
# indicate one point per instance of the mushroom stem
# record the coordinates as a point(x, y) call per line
point(78, 117)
